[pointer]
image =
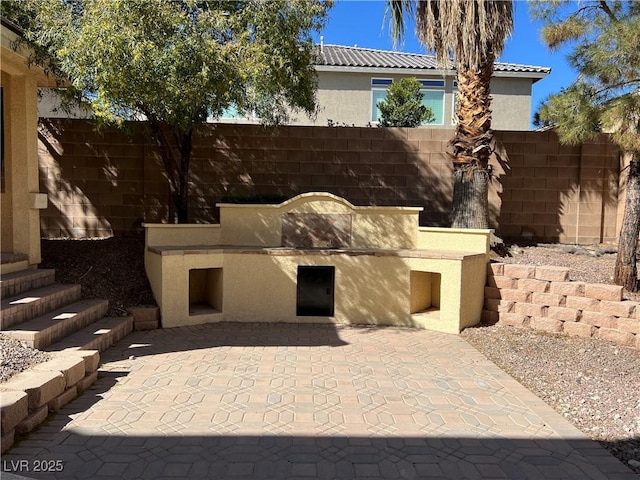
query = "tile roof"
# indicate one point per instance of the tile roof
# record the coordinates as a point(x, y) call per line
point(342, 56)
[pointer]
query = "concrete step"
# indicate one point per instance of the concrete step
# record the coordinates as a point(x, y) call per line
point(32, 304)
point(56, 325)
point(22, 281)
point(98, 336)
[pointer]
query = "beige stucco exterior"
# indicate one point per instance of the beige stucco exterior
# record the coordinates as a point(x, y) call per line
point(391, 273)
point(20, 199)
point(346, 97)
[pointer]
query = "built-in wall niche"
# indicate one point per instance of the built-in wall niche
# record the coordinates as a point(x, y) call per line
point(315, 291)
point(425, 294)
point(205, 291)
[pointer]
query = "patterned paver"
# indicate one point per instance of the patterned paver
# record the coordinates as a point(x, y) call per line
point(245, 401)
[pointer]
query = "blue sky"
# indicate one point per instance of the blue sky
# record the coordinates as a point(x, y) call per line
point(361, 22)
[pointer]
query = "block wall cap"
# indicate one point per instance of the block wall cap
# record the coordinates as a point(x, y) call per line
point(181, 225)
point(469, 231)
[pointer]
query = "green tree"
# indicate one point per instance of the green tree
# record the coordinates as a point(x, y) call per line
point(605, 40)
point(467, 35)
point(175, 62)
point(402, 106)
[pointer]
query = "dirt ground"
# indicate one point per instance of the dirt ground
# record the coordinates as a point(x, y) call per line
point(110, 269)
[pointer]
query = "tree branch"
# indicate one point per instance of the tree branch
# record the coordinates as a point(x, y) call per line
point(605, 8)
point(616, 86)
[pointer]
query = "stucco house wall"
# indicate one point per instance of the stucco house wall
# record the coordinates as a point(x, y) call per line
point(345, 89)
point(20, 198)
point(511, 103)
point(346, 97)
point(349, 76)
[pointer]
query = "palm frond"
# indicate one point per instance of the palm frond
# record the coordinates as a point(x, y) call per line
point(471, 31)
point(395, 13)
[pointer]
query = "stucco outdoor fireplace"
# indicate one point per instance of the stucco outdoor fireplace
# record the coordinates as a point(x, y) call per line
point(318, 258)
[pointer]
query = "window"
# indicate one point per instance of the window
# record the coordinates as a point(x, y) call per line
point(378, 92)
point(231, 112)
point(432, 83)
point(433, 98)
point(454, 96)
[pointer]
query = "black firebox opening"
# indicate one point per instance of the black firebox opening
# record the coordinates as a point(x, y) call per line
point(315, 291)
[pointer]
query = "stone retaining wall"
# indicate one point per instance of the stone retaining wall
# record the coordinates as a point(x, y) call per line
point(543, 298)
point(27, 398)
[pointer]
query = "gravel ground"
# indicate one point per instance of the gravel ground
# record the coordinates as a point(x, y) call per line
point(594, 384)
point(16, 357)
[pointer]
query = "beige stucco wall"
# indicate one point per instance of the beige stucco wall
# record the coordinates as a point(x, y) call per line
point(169, 279)
point(373, 227)
point(453, 239)
point(345, 97)
point(21, 198)
point(6, 201)
point(49, 106)
point(511, 103)
point(369, 289)
point(390, 273)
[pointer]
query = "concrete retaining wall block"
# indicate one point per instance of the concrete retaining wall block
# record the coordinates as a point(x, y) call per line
point(543, 298)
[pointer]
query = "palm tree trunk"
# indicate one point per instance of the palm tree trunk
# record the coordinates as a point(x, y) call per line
point(626, 272)
point(470, 198)
point(471, 148)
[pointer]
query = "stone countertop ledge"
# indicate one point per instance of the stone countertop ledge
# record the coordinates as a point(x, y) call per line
point(284, 251)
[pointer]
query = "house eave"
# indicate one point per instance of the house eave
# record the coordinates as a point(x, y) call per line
point(383, 70)
point(535, 76)
point(15, 57)
point(11, 26)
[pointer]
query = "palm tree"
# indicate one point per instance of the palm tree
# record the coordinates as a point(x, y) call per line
point(471, 34)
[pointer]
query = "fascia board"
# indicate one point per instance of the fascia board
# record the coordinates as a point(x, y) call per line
point(422, 71)
point(378, 70)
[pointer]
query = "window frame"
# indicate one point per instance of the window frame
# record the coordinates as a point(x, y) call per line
point(377, 87)
point(454, 102)
point(440, 87)
point(428, 85)
point(249, 117)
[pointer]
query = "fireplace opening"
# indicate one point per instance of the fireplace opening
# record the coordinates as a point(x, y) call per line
point(315, 296)
point(425, 293)
point(205, 291)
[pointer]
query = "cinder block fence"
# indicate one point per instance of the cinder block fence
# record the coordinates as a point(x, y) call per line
point(104, 182)
point(543, 298)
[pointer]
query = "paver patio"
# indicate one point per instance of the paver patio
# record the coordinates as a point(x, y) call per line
point(240, 401)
